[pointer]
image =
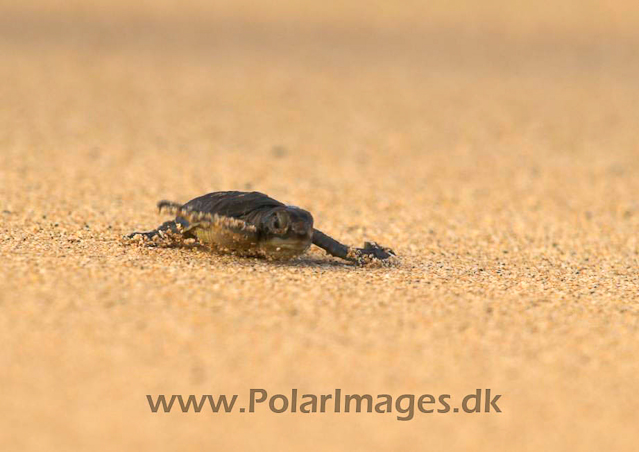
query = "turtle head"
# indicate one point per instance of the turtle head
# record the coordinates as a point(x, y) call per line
point(286, 232)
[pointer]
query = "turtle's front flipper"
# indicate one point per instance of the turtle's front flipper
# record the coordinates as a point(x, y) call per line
point(370, 253)
point(172, 226)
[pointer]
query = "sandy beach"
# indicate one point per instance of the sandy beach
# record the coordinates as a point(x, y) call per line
point(494, 147)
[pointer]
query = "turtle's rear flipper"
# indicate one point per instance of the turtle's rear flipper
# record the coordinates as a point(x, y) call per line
point(371, 252)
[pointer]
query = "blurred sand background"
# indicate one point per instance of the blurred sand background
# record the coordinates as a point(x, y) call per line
point(494, 145)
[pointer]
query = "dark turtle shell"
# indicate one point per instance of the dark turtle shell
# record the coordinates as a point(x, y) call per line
point(247, 206)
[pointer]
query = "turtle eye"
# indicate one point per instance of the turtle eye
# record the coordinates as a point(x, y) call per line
point(280, 221)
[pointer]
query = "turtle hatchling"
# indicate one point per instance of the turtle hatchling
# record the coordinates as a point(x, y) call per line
point(254, 224)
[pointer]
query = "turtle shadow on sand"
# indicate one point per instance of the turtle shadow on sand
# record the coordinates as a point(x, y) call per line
point(303, 261)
